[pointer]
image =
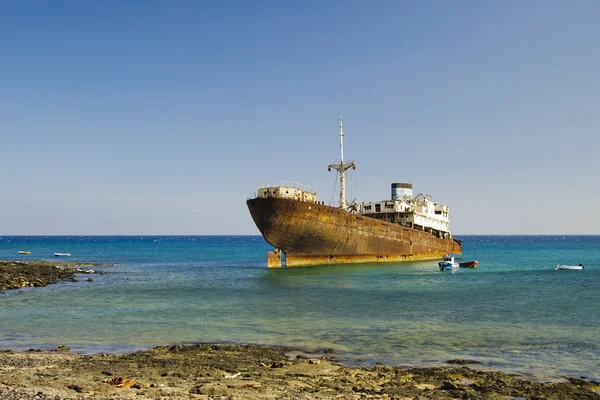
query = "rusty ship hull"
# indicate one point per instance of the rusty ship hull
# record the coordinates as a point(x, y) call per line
point(315, 234)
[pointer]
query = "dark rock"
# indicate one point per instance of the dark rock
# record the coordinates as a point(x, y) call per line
point(447, 385)
point(76, 388)
point(195, 390)
point(464, 362)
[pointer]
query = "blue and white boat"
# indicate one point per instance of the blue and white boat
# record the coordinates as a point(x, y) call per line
point(448, 264)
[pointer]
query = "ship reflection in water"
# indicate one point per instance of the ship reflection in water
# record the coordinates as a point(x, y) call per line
point(305, 231)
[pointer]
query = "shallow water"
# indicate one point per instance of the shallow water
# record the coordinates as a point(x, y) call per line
point(513, 312)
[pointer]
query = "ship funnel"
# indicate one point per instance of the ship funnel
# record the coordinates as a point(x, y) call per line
point(401, 191)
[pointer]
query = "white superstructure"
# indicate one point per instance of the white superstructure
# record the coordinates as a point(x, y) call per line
point(414, 212)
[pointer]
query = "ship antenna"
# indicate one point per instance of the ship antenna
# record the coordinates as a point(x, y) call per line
point(342, 167)
point(341, 141)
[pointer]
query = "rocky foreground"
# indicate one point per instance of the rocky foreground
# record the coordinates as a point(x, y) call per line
point(18, 274)
point(206, 371)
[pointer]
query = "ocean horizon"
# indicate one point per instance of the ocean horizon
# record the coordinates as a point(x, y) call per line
point(514, 312)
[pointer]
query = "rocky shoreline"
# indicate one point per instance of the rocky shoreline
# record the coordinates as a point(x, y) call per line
point(19, 274)
point(215, 371)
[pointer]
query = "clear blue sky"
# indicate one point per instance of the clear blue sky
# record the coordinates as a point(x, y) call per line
point(159, 117)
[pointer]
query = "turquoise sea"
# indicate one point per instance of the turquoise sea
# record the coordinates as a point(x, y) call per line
point(514, 312)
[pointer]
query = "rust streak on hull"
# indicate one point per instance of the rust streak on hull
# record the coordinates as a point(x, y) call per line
point(302, 261)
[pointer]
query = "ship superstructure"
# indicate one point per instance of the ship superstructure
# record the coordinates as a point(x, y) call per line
point(305, 231)
point(418, 212)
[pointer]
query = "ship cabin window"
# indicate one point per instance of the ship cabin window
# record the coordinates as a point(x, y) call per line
point(377, 207)
point(389, 205)
point(367, 208)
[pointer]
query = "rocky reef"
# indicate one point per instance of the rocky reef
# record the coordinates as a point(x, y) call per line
point(18, 274)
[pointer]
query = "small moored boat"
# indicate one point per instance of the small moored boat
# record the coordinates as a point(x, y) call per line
point(468, 264)
point(569, 267)
point(62, 254)
point(24, 252)
point(448, 264)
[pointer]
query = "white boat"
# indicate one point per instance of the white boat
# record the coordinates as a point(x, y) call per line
point(62, 254)
point(569, 267)
point(448, 264)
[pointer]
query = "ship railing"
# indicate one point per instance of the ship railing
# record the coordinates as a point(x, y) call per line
point(295, 185)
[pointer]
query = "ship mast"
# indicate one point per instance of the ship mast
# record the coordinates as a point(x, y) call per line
point(342, 167)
